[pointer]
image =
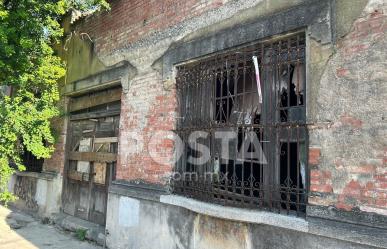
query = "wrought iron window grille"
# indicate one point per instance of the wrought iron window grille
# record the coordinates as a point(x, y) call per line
point(220, 94)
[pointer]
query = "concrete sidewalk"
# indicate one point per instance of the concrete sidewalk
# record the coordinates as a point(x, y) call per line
point(21, 231)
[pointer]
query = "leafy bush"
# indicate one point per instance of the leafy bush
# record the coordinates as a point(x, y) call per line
point(28, 64)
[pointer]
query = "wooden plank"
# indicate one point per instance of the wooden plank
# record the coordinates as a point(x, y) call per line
point(99, 173)
point(78, 176)
point(90, 101)
point(102, 140)
point(101, 157)
point(94, 115)
point(90, 190)
point(99, 134)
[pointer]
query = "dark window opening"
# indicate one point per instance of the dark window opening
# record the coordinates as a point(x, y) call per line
point(32, 163)
point(221, 94)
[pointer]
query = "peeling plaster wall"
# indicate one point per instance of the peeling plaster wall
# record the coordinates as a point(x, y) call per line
point(78, 53)
point(349, 155)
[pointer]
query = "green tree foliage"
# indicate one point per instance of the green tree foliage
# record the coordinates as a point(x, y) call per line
point(29, 65)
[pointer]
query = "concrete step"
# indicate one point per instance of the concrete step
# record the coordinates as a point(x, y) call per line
point(94, 232)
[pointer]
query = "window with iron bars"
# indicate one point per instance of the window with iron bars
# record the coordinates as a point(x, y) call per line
point(218, 96)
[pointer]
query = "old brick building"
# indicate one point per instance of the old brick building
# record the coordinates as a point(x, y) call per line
point(146, 70)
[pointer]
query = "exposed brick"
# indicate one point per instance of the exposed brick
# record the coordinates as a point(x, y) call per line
point(129, 21)
point(321, 181)
point(370, 185)
point(375, 23)
point(342, 72)
point(382, 185)
point(314, 156)
point(381, 177)
point(153, 163)
point(355, 49)
point(339, 164)
point(351, 121)
point(320, 174)
point(352, 189)
point(364, 169)
point(322, 188)
point(381, 203)
point(344, 206)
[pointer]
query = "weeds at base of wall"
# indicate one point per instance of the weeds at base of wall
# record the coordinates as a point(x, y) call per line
point(81, 234)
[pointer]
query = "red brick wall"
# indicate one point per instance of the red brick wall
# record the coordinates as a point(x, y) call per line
point(146, 109)
point(56, 162)
point(344, 180)
point(130, 20)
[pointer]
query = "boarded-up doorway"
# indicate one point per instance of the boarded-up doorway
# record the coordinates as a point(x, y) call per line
point(91, 152)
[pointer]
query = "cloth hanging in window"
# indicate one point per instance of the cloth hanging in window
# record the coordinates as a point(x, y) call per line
point(258, 78)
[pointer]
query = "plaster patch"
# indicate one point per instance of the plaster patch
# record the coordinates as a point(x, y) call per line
point(128, 212)
point(41, 192)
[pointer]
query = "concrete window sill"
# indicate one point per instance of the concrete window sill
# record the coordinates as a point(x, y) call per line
point(237, 214)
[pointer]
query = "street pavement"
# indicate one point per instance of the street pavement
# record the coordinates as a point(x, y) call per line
point(20, 231)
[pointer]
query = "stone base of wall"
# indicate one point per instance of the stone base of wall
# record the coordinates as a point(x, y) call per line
point(38, 193)
point(138, 219)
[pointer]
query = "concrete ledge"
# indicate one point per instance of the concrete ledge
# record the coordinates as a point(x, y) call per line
point(237, 214)
point(354, 233)
point(136, 191)
point(115, 75)
point(43, 175)
point(359, 234)
point(355, 217)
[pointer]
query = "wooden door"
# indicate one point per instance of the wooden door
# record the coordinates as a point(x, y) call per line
point(91, 153)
